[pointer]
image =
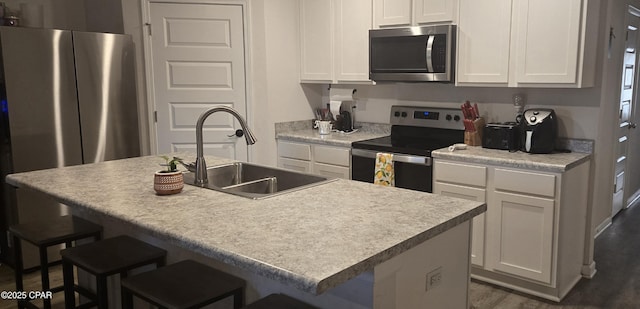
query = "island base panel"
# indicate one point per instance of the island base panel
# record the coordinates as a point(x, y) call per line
point(435, 274)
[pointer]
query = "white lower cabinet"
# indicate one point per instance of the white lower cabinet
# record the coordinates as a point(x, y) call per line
point(295, 165)
point(474, 194)
point(328, 161)
point(522, 233)
point(531, 238)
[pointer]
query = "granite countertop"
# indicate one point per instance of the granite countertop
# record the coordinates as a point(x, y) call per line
point(301, 131)
point(335, 138)
point(553, 162)
point(313, 239)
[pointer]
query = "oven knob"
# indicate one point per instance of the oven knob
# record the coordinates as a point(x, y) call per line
point(456, 118)
point(404, 114)
point(448, 117)
point(396, 114)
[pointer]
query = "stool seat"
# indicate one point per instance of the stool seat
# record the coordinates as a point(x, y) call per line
point(117, 255)
point(55, 231)
point(186, 284)
point(113, 255)
point(279, 301)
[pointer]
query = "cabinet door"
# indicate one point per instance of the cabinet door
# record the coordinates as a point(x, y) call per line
point(392, 13)
point(353, 21)
point(332, 171)
point(474, 194)
point(316, 45)
point(435, 11)
point(547, 37)
point(295, 165)
point(521, 232)
point(484, 43)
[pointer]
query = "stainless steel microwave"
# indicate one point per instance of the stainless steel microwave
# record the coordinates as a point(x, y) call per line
point(413, 54)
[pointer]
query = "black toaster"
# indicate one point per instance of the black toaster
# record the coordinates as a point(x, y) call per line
point(503, 136)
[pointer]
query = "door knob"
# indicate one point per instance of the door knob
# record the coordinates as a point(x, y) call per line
point(632, 125)
point(239, 133)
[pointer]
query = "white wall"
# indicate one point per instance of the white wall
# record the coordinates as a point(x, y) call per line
point(277, 95)
point(58, 14)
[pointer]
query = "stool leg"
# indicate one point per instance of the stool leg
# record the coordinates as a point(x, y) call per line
point(127, 298)
point(238, 298)
point(44, 273)
point(17, 255)
point(101, 289)
point(67, 273)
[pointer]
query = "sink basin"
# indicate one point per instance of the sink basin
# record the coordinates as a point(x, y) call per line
point(255, 181)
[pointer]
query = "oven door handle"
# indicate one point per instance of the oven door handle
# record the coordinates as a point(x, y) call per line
point(396, 157)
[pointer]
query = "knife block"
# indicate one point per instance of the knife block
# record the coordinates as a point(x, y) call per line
point(474, 138)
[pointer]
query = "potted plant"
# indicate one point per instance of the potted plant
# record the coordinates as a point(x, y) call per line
point(170, 180)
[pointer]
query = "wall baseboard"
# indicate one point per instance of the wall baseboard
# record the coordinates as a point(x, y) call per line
point(602, 226)
point(588, 271)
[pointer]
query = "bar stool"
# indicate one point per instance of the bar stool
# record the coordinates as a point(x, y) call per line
point(279, 301)
point(61, 230)
point(186, 284)
point(102, 259)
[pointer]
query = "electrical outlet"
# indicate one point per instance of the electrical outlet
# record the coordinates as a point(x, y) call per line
point(434, 278)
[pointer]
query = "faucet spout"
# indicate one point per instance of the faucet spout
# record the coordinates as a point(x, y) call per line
point(201, 165)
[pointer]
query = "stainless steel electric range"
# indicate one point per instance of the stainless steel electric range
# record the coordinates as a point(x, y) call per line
point(415, 132)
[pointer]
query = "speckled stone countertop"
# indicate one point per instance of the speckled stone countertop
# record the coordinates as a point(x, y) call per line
point(312, 239)
point(554, 162)
point(301, 131)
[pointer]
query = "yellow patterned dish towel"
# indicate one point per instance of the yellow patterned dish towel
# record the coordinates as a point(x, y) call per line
point(384, 175)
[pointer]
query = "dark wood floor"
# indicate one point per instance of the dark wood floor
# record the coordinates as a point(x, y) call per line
point(616, 284)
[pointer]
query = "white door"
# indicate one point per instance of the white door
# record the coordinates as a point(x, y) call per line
point(627, 187)
point(197, 55)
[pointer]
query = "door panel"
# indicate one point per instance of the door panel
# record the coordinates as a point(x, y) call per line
point(626, 188)
point(524, 229)
point(478, 228)
point(198, 63)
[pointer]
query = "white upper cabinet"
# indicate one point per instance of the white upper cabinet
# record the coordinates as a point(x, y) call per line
point(483, 43)
point(547, 40)
point(334, 41)
point(402, 13)
point(434, 11)
point(353, 21)
point(392, 13)
point(527, 43)
point(316, 40)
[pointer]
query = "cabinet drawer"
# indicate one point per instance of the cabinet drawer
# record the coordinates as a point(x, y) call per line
point(460, 173)
point(332, 155)
point(332, 171)
point(525, 182)
point(295, 165)
point(294, 151)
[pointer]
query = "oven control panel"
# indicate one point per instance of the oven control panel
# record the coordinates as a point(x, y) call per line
point(431, 117)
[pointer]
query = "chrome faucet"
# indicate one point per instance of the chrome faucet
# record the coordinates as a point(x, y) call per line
point(201, 165)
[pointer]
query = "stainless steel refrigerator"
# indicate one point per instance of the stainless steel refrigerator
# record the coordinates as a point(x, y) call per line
point(67, 98)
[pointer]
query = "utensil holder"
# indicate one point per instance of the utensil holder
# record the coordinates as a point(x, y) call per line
point(474, 138)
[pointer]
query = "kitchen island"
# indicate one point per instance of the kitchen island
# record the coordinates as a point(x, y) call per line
point(308, 243)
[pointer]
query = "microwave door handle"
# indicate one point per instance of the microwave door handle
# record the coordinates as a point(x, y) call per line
point(430, 52)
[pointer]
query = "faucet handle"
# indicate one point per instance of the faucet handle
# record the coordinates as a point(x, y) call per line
point(191, 167)
point(239, 133)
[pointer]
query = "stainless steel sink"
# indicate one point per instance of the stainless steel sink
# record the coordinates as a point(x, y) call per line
point(255, 181)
